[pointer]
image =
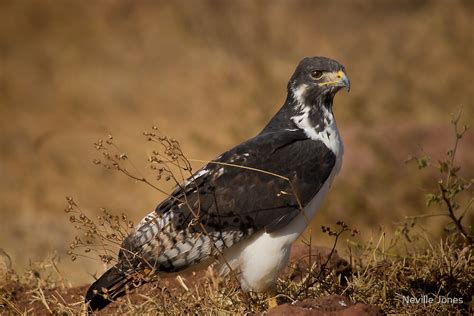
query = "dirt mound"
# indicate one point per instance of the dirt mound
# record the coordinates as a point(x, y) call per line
point(334, 305)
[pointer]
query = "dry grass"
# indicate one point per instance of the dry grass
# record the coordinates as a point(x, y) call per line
point(381, 275)
point(212, 75)
point(412, 272)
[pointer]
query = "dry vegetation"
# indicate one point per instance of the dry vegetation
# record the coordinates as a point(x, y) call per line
point(386, 272)
point(211, 74)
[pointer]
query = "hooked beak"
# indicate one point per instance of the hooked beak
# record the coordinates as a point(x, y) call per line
point(337, 79)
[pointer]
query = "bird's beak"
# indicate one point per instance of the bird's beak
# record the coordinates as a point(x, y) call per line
point(337, 79)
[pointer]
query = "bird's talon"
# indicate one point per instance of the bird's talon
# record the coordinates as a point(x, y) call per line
point(272, 302)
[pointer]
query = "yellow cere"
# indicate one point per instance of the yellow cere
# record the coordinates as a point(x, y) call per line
point(336, 76)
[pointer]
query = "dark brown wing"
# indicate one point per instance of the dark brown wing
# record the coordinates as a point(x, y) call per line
point(245, 190)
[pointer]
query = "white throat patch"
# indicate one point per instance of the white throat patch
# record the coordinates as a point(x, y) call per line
point(329, 135)
point(299, 92)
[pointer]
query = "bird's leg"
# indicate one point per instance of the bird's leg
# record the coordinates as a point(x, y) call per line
point(272, 297)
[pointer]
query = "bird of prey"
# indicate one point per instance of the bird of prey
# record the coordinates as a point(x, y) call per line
point(244, 209)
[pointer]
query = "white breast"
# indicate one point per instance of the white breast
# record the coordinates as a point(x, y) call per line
point(261, 258)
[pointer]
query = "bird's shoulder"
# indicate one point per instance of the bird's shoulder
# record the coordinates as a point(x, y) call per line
point(254, 171)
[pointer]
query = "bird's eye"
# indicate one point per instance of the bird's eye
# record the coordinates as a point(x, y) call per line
point(317, 74)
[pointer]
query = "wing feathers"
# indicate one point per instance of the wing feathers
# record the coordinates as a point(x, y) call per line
point(235, 196)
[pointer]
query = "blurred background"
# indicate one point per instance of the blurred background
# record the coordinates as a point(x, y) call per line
point(211, 74)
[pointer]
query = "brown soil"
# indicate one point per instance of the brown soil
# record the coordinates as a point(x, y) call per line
point(334, 305)
point(22, 297)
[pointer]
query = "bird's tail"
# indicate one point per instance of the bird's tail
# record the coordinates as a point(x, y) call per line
point(110, 286)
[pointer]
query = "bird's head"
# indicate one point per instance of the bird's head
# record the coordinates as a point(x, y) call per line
point(311, 90)
point(317, 77)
